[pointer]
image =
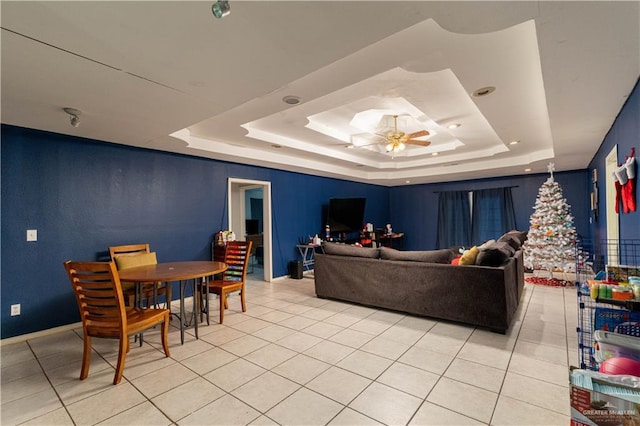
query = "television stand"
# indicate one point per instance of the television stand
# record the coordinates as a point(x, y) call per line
point(395, 240)
point(345, 240)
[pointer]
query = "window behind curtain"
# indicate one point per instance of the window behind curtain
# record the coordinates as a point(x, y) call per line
point(493, 214)
point(454, 219)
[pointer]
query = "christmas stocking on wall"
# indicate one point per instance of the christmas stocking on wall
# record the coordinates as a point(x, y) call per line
point(621, 178)
point(629, 188)
point(625, 182)
point(618, 193)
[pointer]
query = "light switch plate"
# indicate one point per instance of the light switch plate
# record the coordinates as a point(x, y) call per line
point(32, 235)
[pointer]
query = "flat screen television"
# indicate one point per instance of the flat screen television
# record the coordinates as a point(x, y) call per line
point(345, 214)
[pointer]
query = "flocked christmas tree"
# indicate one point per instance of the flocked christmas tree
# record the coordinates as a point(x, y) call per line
point(551, 240)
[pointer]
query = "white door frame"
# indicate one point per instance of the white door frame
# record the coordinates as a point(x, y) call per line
point(237, 224)
point(613, 225)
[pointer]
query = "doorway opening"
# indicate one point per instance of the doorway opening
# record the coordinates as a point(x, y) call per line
point(250, 218)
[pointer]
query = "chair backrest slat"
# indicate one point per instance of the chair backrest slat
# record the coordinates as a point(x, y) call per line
point(128, 250)
point(98, 292)
point(237, 258)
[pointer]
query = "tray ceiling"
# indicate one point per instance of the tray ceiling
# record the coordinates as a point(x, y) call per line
point(169, 76)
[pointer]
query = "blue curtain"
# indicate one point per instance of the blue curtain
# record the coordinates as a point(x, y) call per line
point(454, 219)
point(493, 214)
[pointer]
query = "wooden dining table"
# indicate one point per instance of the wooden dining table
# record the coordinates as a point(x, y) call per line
point(181, 272)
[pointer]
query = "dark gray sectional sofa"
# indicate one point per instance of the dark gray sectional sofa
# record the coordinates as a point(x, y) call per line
point(422, 283)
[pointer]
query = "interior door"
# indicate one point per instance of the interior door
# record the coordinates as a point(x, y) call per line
point(237, 214)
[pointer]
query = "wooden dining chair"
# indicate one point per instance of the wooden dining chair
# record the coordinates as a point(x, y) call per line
point(131, 255)
point(236, 257)
point(102, 309)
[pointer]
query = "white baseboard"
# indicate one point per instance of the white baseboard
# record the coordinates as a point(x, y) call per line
point(41, 333)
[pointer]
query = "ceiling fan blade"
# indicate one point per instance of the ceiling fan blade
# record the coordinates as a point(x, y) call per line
point(418, 134)
point(415, 142)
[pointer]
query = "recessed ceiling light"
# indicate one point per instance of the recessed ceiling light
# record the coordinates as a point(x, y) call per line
point(484, 91)
point(435, 153)
point(453, 126)
point(527, 170)
point(292, 100)
point(276, 146)
point(407, 181)
point(350, 147)
point(514, 142)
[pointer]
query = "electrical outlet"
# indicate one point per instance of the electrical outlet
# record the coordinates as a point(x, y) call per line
point(32, 235)
point(15, 310)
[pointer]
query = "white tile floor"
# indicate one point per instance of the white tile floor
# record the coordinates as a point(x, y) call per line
point(294, 359)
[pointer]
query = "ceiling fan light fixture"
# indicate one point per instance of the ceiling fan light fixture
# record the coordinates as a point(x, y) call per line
point(220, 9)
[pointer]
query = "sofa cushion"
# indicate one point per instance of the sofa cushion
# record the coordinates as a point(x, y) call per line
point(347, 250)
point(469, 257)
point(510, 239)
point(486, 244)
point(428, 256)
point(520, 235)
point(495, 255)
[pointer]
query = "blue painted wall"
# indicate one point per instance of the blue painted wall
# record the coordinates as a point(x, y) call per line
point(625, 133)
point(83, 196)
point(415, 208)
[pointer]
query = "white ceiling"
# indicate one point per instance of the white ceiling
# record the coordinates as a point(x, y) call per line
point(169, 76)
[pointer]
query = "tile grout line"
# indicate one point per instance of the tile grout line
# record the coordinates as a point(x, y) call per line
point(299, 386)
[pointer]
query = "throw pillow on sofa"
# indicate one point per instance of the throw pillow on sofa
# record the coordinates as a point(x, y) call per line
point(428, 256)
point(347, 250)
point(469, 257)
point(495, 255)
